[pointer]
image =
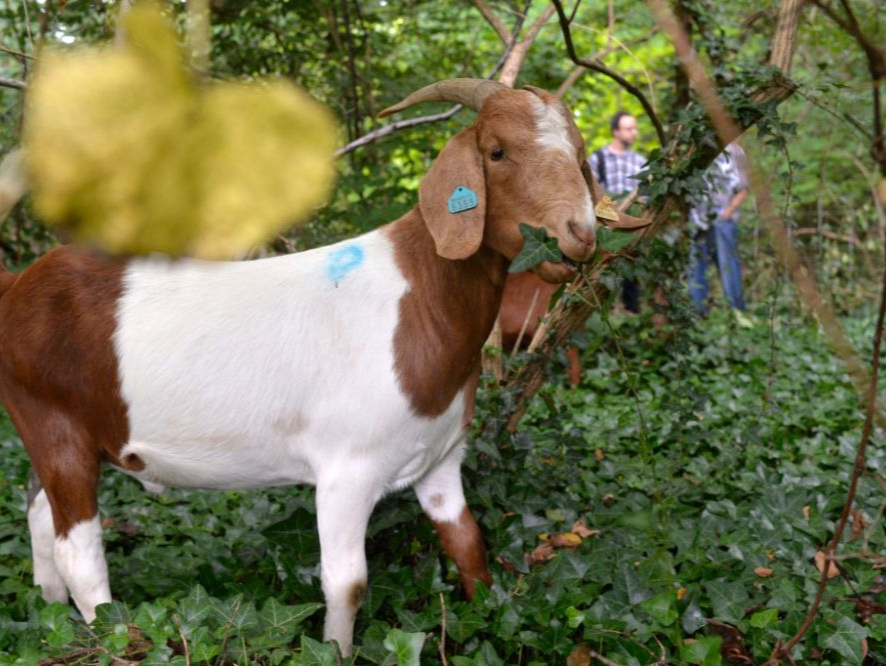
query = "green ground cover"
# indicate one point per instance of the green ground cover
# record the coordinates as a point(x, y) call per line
point(712, 459)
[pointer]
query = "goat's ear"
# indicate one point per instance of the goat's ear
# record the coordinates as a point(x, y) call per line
point(454, 182)
point(593, 185)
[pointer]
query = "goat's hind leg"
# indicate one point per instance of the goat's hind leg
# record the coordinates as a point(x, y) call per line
point(442, 498)
point(46, 574)
point(68, 467)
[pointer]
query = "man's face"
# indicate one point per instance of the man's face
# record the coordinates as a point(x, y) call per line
point(626, 131)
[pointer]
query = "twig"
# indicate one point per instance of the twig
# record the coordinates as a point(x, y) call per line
point(12, 83)
point(443, 631)
point(526, 322)
point(602, 69)
point(494, 21)
point(184, 641)
point(13, 52)
point(599, 657)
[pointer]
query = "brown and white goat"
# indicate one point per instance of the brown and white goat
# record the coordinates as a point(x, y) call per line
point(351, 367)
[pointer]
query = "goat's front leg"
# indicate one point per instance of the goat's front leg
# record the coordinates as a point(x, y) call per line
point(443, 500)
point(344, 504)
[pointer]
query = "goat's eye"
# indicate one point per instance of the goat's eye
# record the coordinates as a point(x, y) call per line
point(497, 154)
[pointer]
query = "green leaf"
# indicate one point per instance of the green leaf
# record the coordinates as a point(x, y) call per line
point(845, 639)
point(280, 623)
point(692, 619)
point(728, 600)
point(203, 647)
point(764, 618)
point(55, 618)
point(613, 241)
point(662, 608)
point(705, 651)
point(629, 587)
point(537, 247)
point(462, 626)
point(407, 647)
point(315, 653)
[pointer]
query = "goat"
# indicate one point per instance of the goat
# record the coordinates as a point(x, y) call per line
point(351, 367)
point(525, 301)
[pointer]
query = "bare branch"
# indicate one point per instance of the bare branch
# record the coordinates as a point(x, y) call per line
point(573, 76)
point(783, 42)
point(17, 54)
point(12, 83)
point(538, 24)
point(602, 69)
point(499, 27)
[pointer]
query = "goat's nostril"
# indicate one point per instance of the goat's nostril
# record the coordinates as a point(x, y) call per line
point(582, 233)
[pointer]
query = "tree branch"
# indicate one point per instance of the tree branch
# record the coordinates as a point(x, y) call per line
point(12, 83)
point(602, 69)
point(499, 27)
point(538, 24)
point(876, 57)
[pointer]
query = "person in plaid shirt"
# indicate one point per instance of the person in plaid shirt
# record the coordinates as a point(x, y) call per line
point(713, 218)
point(615, 167)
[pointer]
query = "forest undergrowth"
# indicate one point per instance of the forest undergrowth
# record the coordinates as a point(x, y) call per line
point(667, 511)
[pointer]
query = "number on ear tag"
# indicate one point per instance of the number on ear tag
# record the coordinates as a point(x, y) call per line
point(462, 199)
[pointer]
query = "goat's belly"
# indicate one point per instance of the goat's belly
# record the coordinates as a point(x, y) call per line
point(397, 454)
point(219, 465)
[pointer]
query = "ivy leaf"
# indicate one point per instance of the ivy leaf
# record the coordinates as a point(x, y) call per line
point(728, 600)
point(280, 622)
point(407, 647)
point(315, 653)
point(461, 627)
point(613, 241)
point(764, 618)
point(662, 608)
point(705, 651)
point(537, 247)
point(845, 639)
point(55, 618)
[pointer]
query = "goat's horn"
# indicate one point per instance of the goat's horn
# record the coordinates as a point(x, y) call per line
point(470, 92)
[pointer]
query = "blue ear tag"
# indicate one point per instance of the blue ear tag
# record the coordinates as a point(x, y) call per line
point(462, 199)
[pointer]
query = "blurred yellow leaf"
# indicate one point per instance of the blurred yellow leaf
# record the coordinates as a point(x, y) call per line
point(127, 152)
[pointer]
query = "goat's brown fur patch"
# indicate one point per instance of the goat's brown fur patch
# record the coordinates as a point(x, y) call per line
point(59, 377)
point(463, 542)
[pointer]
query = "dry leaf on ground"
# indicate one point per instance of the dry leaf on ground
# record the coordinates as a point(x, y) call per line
point(820, 559)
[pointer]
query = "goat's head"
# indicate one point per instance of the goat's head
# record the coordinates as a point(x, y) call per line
point(522, 161)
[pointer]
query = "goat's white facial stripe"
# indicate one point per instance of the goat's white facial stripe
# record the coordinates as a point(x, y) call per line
point(590, 214)
point(552, 128)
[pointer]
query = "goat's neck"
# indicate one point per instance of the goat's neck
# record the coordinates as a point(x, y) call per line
point(445, 317)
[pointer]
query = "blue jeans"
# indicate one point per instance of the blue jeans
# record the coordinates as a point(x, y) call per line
point(720, 244)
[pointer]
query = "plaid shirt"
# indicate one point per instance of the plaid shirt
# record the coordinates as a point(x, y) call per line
point(724, 178)
point(619, 170)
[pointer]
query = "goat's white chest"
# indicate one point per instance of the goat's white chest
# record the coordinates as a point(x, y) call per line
point(272, 372)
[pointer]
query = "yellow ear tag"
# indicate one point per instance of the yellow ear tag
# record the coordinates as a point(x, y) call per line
point(604, 210)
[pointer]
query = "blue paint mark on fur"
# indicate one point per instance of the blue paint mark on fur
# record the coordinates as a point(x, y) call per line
point(342, 261)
